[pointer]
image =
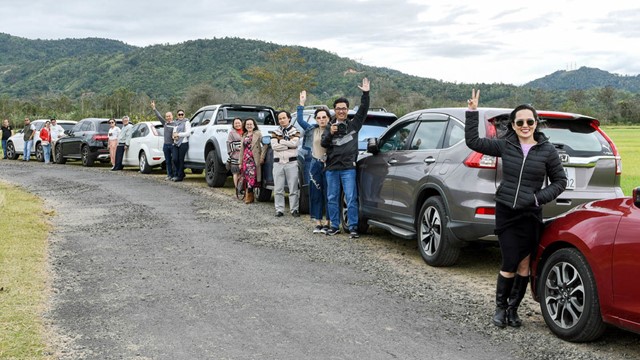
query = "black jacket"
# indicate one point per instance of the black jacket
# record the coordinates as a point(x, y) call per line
point(522, 179)
point(342, 150)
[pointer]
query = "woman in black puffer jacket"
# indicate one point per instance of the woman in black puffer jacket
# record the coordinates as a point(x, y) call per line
point(528, 159)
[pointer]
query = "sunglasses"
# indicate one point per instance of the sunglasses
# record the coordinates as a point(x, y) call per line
point(180, 114)
point(520, 123)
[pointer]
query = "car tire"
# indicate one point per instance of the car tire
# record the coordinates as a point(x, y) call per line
point(11, 151)
point(59, 158)
point(145, 168)
point(197, 171)
point(215, 172)
point(303, 200)
point(569, 297)
point(87, 159)
point(39, 152)
point(262, 194)
point(434, 242)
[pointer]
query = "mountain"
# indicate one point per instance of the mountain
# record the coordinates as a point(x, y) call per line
point(586, 78)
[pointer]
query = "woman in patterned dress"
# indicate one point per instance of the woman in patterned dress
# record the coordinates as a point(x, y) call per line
point(252, 157)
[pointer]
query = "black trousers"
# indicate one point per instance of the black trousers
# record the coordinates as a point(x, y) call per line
point(119, 156)
point(179, 153)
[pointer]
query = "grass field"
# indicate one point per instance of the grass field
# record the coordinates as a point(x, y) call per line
point(23, 275)
point(627, 140)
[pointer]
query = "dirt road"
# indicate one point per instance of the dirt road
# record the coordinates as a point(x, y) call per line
point(147, 269)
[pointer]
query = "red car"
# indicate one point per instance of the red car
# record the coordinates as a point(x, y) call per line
point(586, 270)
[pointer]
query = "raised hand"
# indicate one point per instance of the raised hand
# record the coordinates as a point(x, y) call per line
point(474, 100)
point(303, 97)
point(153, 104)
point(365, 85)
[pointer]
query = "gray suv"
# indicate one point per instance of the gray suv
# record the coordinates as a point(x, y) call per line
point(419, 180)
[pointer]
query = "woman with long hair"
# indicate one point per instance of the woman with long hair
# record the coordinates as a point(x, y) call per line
point(251, 157)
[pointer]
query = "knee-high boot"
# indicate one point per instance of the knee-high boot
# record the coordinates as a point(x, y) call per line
point(517, 294)
point(503, 290)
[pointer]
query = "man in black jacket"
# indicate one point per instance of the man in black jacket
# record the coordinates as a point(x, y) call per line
point(341, 141)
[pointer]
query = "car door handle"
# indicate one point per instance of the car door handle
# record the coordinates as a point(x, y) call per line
point(204, 130)
point(429, 160)
point(392, 161)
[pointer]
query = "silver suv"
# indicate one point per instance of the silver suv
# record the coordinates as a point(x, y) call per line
point(419, 180)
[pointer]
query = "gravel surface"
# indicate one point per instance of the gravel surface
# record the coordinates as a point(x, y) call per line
point(231, 281)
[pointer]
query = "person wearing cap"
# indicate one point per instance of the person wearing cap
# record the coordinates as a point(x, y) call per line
point(57, 132)
point(29, 132)
point(6, 134)
point(124, 139)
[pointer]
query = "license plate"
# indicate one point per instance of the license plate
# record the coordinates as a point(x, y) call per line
point(570, 172)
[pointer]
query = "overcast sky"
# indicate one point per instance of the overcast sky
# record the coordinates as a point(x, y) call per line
point(453, 40)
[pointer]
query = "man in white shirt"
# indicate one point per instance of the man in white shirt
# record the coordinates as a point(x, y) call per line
point(57, 132)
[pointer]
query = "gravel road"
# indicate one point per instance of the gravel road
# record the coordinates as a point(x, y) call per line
point(148, 269)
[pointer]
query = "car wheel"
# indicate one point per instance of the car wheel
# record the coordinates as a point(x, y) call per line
point(144, 164)
point(569, 297)
point(215, 172)
point(197, 171)
point(11, 151)
point(59, 158)
point(262, 194)
point(434, 242)
point(87, 159)
point(39, 152)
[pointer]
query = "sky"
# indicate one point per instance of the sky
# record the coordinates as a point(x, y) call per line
point(511, 42)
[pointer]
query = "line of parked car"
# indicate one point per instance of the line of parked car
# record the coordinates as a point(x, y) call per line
point(418, 180)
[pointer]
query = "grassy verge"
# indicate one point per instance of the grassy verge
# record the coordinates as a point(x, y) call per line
point(626, 140)
point(23, 274)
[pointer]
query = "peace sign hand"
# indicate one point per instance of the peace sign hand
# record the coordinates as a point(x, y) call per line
point(474, 100)
point(303, 97)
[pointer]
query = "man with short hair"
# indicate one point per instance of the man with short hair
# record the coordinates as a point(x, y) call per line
point(57, 132)
point(167, 148)
point(341, 141)
point(124, 139)
point(29, 132)
point(6, 134)
point(284, 142)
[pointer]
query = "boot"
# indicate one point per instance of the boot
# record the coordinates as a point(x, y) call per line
point(517, 294)
point(248, 197)
point(503, 289)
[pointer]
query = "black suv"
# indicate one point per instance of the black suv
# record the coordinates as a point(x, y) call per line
point(88, 141)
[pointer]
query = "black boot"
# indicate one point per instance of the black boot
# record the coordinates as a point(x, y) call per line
point(503, 289)
point(517, 294)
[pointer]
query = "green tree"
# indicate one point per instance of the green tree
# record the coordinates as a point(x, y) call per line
point(282, 78)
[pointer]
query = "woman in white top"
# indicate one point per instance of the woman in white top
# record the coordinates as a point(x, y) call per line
point(114, 131)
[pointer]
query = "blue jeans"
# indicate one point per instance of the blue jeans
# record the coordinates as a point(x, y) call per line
point(4, 148)
point(317, 190)
point(346, 178)
point(46, 150)
point(167, 149)
point(26, 154)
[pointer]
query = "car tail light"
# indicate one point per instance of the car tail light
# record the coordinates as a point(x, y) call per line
point(100, 137)
point(486, 211)
point(478, 160)
point(613, 147)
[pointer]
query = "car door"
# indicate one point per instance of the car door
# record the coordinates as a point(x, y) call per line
point(201, 131)
point(137, 137)
point(72, 143)
point(417, 163)
point(626, 267)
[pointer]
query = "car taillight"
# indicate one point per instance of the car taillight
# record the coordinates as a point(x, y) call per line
point(486, 211)
point(478, 160)
point(100, 137)
point(613, 148)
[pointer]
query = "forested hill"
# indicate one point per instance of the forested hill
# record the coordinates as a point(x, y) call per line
point(586, 78)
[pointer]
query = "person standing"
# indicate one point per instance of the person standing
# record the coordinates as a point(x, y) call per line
point(181, 133)
point(528, 158)
point(45, 141)
point(124, 139)
point(57, 132)
point(341, 141)
point(113, 134)
point(234, 143)
point(6, 134)
point(284, 142)
point(29, 132)
point(317, 178)
point(167, 148)
point(251, 157)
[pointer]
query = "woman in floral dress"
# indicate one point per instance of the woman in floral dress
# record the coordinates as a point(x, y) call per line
point(252, 157)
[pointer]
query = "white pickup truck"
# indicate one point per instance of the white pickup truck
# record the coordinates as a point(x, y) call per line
point(210, 127)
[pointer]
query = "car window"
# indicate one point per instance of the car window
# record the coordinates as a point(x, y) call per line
point(138, 131)
point(87, 126)
point(208, 114)
point(39, 126)
point(159, 129)
point(430, 135)
point(397, 138)
point(103, 127)
point(261, 116)
point(455, 134)
point(576, 138)
point(78, 126)
point(67, 126)
point(197, 119)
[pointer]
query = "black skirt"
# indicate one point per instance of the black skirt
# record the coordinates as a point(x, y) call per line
point(518, 233)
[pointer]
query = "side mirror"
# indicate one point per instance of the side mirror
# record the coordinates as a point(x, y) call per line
point(68, 132)
point(372, 145)
point(266, 140)
point(636, 197)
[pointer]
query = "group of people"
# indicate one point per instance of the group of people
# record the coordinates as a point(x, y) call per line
point(176, 142)
point(49, 135)
point(333, 165)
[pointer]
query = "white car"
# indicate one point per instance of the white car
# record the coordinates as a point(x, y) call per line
point(145, 148)
point(15, 144)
